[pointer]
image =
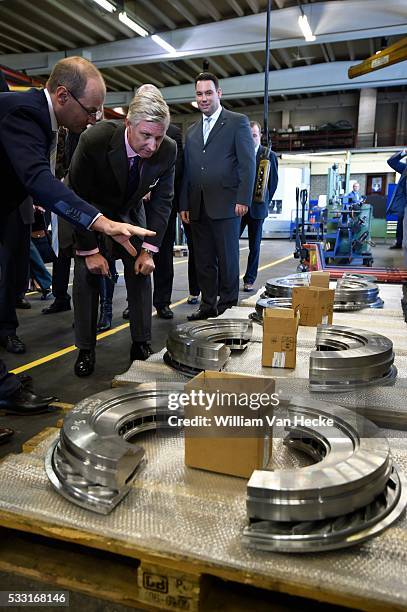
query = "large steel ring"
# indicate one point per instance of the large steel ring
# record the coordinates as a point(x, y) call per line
point(206, 345)
point(347, 358)
point(352, 493)
point(283, 286)
point(265, 302)
point(356, 293)
point(93, 463)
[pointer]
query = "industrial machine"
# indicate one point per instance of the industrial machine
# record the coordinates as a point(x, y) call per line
point(348, 226)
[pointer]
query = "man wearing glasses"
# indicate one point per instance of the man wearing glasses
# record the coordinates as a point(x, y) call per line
point(29, 123)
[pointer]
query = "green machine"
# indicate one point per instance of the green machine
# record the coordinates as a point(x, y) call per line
point(347, 237)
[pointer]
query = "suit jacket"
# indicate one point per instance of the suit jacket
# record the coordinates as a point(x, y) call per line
point(398, 201)
point(25, 141)
point(99, 171)
point(175, 133)
point(259, 210)
point(222, 170)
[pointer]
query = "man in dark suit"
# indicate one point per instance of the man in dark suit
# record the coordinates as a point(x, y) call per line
point(114, 166)
point(398, 202)
point(217, 187)
point(28, 125)
point(164, 266)
point(258, 211)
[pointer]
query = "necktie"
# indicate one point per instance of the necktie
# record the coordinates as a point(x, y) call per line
point(206, 128)
point(133, 178)
point(54, 217)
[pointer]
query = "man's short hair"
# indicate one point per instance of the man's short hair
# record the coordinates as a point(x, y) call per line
point(253, 123)
point(74, 73)
point(148, 106)
point(207, 76)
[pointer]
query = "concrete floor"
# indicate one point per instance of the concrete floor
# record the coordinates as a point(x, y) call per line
point(46, 335)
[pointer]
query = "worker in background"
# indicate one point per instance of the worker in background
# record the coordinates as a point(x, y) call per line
point(398, 202)
point(354, 197)
point(258, 211)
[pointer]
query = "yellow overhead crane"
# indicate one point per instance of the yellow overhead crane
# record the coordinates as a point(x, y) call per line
point(388, 56)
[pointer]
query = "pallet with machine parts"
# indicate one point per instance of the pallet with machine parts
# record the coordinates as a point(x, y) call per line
point(177, 538)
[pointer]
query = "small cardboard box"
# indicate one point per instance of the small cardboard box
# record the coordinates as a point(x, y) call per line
point(320, 279)
point(315, 305)
point(280, 327)
point(235, 450)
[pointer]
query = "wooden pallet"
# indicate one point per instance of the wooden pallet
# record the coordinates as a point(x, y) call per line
point(124, 573)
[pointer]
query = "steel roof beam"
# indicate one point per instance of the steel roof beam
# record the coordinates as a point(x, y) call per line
point(329, 22)
point(291, 81)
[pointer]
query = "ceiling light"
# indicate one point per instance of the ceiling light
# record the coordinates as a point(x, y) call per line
point(130, 23)
point(159, 41)
point(105, 4)
point(305, 28)
point(194, 104)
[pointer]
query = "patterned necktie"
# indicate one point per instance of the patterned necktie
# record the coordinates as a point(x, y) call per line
point(133, 178)
point(206, 128)
point(54, 217)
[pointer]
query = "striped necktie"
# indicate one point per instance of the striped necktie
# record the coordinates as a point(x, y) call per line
point(54, 217)
point(206, 128)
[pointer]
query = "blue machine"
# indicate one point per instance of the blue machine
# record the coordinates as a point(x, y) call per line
point(348, 226)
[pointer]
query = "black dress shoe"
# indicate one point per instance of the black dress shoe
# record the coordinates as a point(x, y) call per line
point(140, 351)
point(85, 363)
point(396, 246)
point(23, 303)
point(13, 344)
point(24, 401)
point(201, 315)
point(164, 312)
point(56, 306)
point(45, 293)
point(125, 314)
point(5, 434)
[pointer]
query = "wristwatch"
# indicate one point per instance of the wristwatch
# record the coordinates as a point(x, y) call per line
point(151, 253)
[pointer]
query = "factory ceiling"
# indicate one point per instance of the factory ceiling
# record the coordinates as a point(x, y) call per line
point(229, 34)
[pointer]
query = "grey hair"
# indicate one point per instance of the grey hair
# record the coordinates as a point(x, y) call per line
point(140, 91)
point(148, 106)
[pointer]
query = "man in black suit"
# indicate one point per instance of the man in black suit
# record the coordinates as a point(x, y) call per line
point(254, 218)
point(114, 166)
point(217, 187)
point(28, 125)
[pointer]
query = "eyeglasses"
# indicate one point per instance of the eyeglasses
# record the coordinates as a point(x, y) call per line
point(96, 115)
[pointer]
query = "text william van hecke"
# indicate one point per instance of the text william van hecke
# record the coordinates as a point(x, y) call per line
point(237, 420)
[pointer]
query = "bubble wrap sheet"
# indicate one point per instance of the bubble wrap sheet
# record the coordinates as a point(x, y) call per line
point(172, 509)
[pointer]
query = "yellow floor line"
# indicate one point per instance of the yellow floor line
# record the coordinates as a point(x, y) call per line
point(115, 330)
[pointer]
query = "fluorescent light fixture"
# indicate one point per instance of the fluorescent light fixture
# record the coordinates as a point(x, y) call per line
point(305, 28)
point(119, 110)
point(194, 104)
point(124, 18)
point(159, 41)
point(105, 4)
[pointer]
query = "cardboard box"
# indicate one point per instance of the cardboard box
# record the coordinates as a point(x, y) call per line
point(231, 450)
point(320, 279)
point(280, 327)
point(315, 305)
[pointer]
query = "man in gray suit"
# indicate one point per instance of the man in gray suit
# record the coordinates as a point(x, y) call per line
point(114, 166)
point(217, 187)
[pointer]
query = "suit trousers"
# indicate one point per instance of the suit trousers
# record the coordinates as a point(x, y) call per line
point(193, 284)
point(86, 302)
point(254, 232)
point(216, 249)
point(14, 269)
point(164, 266)
point(61, 269)
point(9, 383)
